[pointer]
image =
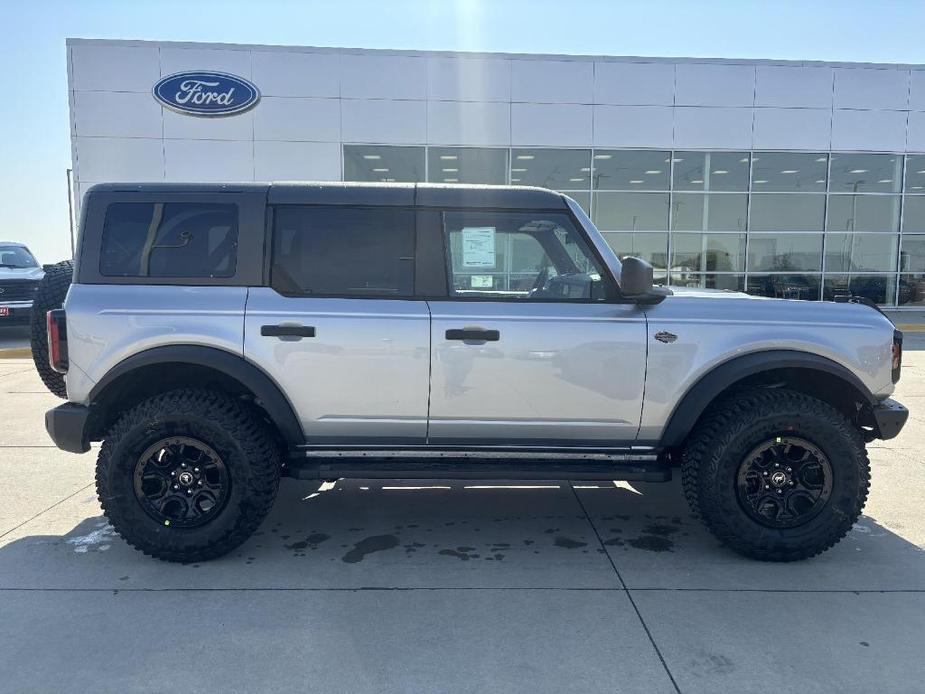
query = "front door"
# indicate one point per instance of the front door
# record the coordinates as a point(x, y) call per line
point(526, 350)
point(339, 329)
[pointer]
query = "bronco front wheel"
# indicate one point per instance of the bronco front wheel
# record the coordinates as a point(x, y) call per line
point(775, 474)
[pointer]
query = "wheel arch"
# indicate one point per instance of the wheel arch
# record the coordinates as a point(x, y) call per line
point(805, 372)
point(160, 369)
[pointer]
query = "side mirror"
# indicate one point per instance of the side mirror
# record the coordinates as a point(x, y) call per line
point(635, 277)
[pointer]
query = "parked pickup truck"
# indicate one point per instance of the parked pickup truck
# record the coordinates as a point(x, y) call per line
point(218, 337)
point(19, 280)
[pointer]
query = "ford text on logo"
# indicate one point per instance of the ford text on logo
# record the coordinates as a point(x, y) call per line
point(206, 93)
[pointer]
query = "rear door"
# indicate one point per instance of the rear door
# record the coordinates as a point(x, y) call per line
point(340, 328)
point(527, 349)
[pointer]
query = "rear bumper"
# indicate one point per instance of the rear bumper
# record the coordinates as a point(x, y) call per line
point(890, 417)
point(67, 426)
point(20, 313)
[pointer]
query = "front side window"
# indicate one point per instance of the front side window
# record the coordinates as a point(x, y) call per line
point(16, 257)
point(524, 256)
point(341, 251)
point(173, 239)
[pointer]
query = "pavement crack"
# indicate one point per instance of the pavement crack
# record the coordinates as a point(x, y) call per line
point(57, 503)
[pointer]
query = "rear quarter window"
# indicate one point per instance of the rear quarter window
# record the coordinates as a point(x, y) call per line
point(181, 240)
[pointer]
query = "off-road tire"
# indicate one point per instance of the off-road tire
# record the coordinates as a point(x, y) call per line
point(233, 429)
point(730, 430)
point(50, 295)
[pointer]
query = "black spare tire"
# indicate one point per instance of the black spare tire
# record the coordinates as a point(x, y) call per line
point(50, 295)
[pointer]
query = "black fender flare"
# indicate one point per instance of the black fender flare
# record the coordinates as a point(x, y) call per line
point(235, 366)
point(699, 396)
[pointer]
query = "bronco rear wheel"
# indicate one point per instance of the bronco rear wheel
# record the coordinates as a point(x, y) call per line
point(775, 474)
point(188, 475)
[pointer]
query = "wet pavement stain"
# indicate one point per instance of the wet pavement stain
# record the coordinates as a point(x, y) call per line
point(614, 542)
point(652, 543)
point(660, 529)
point(311, 541)
point(461, 553)
point(366, 546)
point(569, 543)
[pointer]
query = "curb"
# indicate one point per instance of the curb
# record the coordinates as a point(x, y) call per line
point(16, 353)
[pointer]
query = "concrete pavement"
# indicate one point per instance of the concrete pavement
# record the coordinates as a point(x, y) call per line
point(404, 586)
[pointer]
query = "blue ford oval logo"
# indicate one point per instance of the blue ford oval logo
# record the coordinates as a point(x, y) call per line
point(206, 93)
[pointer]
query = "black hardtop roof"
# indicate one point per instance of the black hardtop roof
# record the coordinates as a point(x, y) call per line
point(392, 194)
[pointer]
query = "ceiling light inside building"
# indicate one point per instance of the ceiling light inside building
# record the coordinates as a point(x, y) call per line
point(697, 180)
point(381, 170)
point(576, 180)
point(517, 170)
point(603, 156)
point(790, 171)
point(448, 157)
point(515, 180)
point(821, 159)
point(821, 180)
point(372, 156)
point(858, 171)
point(525, 156)
point(761, 181)
point(885, 180)
point(743, 160)
point(653, 172)
point(637, 180)
point(451, 180)
point(451, 171)
point(720, 171)
point(585, 169)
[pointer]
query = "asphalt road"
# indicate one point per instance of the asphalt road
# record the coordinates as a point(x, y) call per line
point(405, 586)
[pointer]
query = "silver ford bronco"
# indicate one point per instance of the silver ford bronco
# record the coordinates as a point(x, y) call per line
point(216, 338)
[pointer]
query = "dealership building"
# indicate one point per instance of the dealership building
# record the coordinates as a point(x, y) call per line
point(792, 179)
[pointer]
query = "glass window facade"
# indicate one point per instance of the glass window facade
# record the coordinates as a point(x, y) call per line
point(798, 225)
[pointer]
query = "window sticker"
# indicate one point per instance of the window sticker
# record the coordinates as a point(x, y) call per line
point(478, 247)
point(480, 282)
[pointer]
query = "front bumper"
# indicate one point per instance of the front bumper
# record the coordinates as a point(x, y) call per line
point(890, 417)
point(20, 313)
point(67, 426)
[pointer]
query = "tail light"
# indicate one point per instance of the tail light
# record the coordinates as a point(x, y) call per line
point(897, 354)
point(57, 339)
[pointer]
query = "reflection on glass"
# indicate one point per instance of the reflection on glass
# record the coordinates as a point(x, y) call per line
point(912, 290)
point(784, 252)
point(631, 211)
point(863, 213)
point(631, 169)
point(860, 252)
point(912, 254)
point(866, 173)
point(914, 213)
point(708, 252)
point(383, 164)
point(466, 165)
point(915, 173)
point(878, 288)
point(722, 171)
point(787, 212)
point(789, 171)
point(734, 283)
point(560, 169)
point(805, 287)
point(700, 212)
point(652, 247)
point(583, 199)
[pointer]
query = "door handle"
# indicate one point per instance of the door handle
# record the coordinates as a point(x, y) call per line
point(287, 331)
point(476, 334)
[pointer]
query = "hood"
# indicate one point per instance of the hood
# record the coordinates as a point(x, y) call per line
point(21, 273)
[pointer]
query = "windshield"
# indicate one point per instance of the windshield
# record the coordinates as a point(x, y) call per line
point(16, 257)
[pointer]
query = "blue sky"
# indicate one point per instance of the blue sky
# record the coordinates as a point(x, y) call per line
point(33, 111)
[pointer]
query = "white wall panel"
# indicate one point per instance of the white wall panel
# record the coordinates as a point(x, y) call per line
point(555, 125)
point(297, 161)
point(115, 68)
point(469, 79)
point(209, 160)
point(793, 128)
point(235, 62)
point(116, 114)
point(371, 76)
point(282, 73)
point(917, 90)
point(633, 126)
point(871, 88)
point(552, 81)
point(869, 130)
point(704, 84)
point(468, 123)
point(120, 159)
point(389, 122)
point(634, 83)
point(915, 137)
point(793, 85)
point(719, 128)
point(297, 119)
point(182, 126)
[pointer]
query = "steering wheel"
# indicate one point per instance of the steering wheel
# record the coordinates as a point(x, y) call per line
point(540, 282)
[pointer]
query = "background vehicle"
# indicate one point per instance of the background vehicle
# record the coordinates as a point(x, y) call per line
point(19, 278)
point(218, 337)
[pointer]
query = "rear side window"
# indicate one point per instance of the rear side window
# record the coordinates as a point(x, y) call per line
point(174, 239)
point(341, 251)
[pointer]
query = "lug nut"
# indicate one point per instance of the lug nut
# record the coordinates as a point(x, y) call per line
point(183, 465)
point(200, 483)
point(173, 474)
point(195, 469)
point(780, 491)
point(190, 491)
point(765, 474)
point(176, 487)
point(766, 487)
point(791, 483)
point(789, 469)
point(776, 465)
